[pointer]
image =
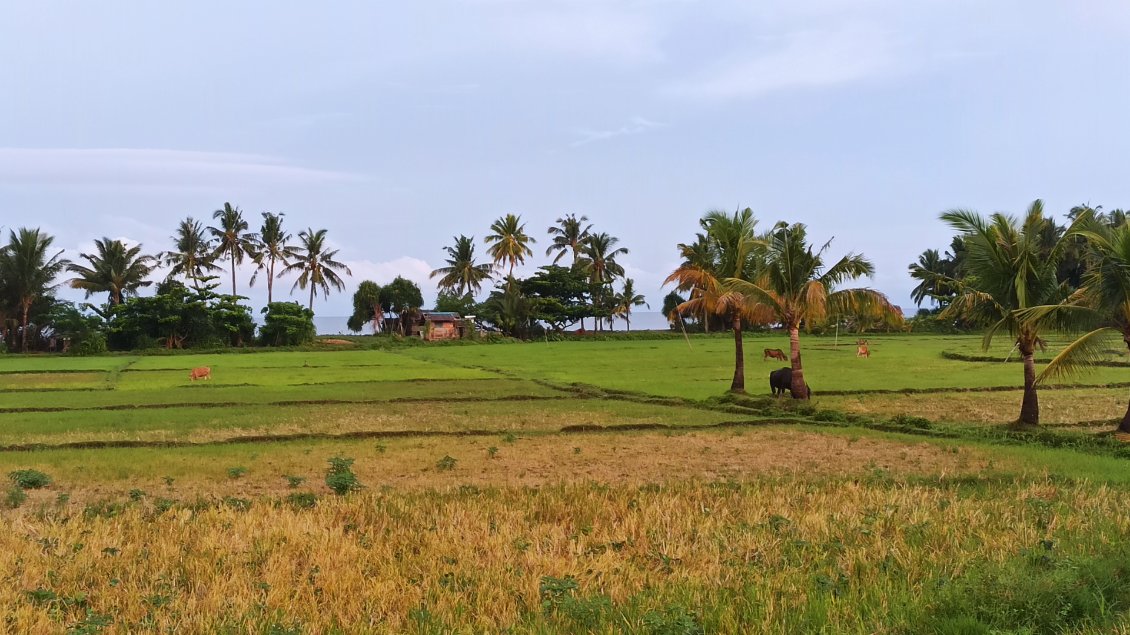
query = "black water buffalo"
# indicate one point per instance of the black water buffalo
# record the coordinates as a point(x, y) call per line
point(781, 380)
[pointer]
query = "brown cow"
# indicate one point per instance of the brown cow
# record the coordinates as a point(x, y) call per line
point(774, 353)
point(203, 372)
point(863, 350)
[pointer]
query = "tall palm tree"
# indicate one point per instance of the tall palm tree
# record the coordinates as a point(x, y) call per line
point(728, 248)
point(1103, 303)
point(626, 299)
point(796, 288)
point(232, 238)
point(191, 256)
point(569, 236)
point(509, 242)
point(599, 261)
point(932, 270)
point(272, 249)
point(27, 271)
point(1011, 267)
point(461, 273)
point(315, 265)
point(114, 269)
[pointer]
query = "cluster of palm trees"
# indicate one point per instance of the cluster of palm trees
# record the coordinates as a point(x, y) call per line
point(29, 267)
point(1029, 276)
point(744, 277)
point(508, 246)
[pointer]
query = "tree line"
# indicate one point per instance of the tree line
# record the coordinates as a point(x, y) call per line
point(554, 297)
point(186, 309)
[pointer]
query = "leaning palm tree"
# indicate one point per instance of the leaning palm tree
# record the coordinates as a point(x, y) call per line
point(727, 249)
point(315, 265)
point(1010, 268)
point(233, 239)
point(272, 249)
point(114, 269)
point(796, 288)
point(461, 273)
point(569, 236)
point(191, 256)
point(28, 270)
point(509, 242)
point(1103, 303)
point(626, 299)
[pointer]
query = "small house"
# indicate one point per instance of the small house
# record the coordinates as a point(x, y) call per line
point(438, 325)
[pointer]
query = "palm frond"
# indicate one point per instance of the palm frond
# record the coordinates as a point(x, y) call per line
point(1078, 356)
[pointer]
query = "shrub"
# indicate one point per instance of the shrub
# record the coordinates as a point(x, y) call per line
point(287, 324)
point(447, 463)
point(340, 477)
point(14, 497)
point(294, 481)
point(674, 620)
point(29, 479)
point(302, 500)
point(237, 471)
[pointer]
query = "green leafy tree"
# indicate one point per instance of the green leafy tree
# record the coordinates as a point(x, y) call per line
point(174, 317)
point(671, 303)
point(728, 248)
point(462, 275)
point(233, 241)
point(287, 324)
point(568, 236)
point(191, 255)
point(114, 269)
point(626, 299)
point(796, 288)
point(27, 272)
point(366, 307)
point(1010, 267)
point(509, 242)
point(555, 295)
point(402, 297)
point(316, 265)
point(86, 332)
point(272, 249)
point(453, 303)
point(509, 309)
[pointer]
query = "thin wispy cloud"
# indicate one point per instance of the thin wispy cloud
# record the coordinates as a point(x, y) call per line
point(145, 167)
point(801, 60)
point(637, 125)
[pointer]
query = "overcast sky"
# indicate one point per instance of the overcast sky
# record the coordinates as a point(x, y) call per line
point(398, 125)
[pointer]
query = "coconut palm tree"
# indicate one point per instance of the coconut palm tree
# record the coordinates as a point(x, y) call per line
point(796, 288)
point(316, 266)
point(233, 239)
point(569, 236)
point(1011, 267)
point(598, 260)
point(27, 271)
point(191, 256)
point(509, 242)
point(272, 249)
point(114, 269)
point(626, 299)
point(1102, 303)
point(932, 271)
point(461, 273)
point(728, 248)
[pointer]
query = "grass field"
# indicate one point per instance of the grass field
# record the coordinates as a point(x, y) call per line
point(599, 486)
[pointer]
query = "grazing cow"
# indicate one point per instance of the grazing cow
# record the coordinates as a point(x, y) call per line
point(781, 380)
point(774, 353)
point(203, 372)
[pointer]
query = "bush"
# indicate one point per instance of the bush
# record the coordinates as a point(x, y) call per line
point(447, 463)
point(29, 479)
point(302, 500)
point(340, 477)
point(14, 497)
point(287, 324)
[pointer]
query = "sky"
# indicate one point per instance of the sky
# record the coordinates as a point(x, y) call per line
point(396, 126)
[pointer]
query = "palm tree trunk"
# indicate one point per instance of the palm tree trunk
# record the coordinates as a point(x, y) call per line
point(23, 325)
point(738, 385)
point(233, 275)
point(627, 323)
point(270, 279)
point(1030, 406)
point(798, 389)
point(311, 296)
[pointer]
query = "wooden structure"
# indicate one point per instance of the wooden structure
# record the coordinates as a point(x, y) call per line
point(433, 326)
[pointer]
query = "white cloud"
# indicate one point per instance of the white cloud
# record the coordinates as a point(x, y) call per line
point(803, 59)
point(145, 167)
point(635, 126)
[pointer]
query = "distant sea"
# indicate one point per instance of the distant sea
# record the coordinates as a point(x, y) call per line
point(642, 321)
